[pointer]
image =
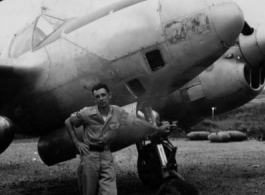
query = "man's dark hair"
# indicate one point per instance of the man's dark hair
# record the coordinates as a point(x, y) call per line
point(99, 86)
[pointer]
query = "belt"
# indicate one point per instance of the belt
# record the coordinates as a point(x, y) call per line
point(98, 148)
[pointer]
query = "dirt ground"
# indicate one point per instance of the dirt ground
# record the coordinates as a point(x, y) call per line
point(235, 168)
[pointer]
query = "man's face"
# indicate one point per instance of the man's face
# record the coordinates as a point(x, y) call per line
point(102, 97)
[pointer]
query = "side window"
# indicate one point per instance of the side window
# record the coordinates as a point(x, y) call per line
point(21, 42)
point(155, 59)
point(136, 87)
point(45, 26)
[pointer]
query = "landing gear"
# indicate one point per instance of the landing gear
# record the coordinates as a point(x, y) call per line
point(153, 175)
point(149, 165)
point(157, 165)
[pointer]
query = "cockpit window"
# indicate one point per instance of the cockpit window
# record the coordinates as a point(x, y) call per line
point(21, 42)
point(45, 26)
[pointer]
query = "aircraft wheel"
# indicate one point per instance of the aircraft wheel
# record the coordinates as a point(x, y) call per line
point(149, 167)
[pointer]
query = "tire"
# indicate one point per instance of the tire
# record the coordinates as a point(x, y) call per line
point(149, 167)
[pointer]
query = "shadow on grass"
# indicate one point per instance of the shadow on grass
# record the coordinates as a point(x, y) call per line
point(127, 184)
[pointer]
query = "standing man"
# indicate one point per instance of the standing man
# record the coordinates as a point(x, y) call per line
point(96, 172)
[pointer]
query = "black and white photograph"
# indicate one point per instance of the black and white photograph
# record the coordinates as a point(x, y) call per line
point(132, 97)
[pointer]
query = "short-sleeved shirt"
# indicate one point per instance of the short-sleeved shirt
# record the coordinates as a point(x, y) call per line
point(96, 130)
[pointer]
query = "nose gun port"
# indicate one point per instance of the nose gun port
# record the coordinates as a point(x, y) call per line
point(228, 22)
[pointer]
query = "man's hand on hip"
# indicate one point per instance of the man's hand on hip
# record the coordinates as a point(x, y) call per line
point(82, 148)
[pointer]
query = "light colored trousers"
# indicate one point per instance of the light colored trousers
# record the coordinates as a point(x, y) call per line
point(96, 174)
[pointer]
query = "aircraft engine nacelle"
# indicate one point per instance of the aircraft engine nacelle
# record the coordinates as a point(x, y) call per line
point(7, 132)
point(56, 147)
point(226, 85)
point(253, 46)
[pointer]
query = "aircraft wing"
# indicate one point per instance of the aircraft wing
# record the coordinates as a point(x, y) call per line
point(6, 68)
point(9, 80)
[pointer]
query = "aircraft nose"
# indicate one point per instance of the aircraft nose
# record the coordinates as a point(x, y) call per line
point(228, 20)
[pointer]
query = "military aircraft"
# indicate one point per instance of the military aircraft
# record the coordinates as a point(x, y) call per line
point(144, 49)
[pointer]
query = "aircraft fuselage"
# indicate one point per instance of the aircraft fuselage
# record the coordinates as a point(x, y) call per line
point(142, 54)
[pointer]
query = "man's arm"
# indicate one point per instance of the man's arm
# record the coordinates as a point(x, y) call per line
point(161, 131)
point(82, 147)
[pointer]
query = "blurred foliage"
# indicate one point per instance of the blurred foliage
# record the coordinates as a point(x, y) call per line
point(249, 119)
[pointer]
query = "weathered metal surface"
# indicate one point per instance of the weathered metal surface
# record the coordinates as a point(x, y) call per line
point(216, 2)
point(181, 30)
point(74, 72)
point(102, 11)
point(121, 34)
point(196, 92)
point(227, 11)
point(59, 73)
point(227, 82)
point(225, 85)
point(253, 47)
point(179, 9)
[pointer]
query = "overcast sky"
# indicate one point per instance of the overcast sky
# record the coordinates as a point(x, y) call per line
point(15, 13)
point(254, 10)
